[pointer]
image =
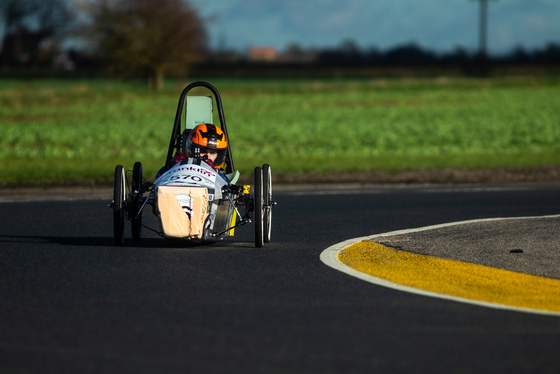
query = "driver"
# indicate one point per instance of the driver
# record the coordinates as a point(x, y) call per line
point(208, 143)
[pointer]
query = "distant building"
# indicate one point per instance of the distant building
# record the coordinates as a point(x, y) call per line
point(268, 54)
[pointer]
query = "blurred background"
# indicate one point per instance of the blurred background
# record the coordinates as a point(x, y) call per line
point(274, 37)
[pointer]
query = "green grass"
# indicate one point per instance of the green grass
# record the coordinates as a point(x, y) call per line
point(56, 131)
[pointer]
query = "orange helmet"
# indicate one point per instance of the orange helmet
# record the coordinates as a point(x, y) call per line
point(205, 137)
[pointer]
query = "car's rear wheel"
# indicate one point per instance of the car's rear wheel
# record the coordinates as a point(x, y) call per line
point(119, 195)
point(267, 200)
point(258, 200)
point(136, 201)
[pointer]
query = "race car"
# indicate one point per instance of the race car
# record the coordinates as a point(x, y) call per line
point(194, 198)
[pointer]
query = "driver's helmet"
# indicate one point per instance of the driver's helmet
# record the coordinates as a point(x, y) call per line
point(205, 137)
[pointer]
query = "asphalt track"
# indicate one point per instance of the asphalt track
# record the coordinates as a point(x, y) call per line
point(71, 302)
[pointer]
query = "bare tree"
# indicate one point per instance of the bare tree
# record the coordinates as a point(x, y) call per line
point(27, 23)
point(150, 37)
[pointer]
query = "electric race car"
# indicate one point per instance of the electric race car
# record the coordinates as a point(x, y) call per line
point(193, 197)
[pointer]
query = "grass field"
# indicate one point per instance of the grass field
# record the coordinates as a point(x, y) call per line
point(62, 131)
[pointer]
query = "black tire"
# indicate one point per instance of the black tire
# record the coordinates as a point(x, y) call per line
point(258, 199)
point(119, 195)
point(136, 201)
point(267, 199)
point(137, 178)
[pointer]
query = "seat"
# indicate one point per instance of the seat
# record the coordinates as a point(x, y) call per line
point(199, 110)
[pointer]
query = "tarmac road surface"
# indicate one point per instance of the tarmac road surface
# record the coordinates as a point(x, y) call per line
point(72, 302)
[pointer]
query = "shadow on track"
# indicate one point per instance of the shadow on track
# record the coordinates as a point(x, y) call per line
point(108, 242)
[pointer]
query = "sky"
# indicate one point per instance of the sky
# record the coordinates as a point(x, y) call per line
point(438, 25)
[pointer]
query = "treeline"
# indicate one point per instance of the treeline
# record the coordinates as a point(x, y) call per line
point(348, 60)
point(412, 54)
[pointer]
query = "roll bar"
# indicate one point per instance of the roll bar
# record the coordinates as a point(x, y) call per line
point(175, 143)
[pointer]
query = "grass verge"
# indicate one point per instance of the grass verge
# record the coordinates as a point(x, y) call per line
point(59, 132)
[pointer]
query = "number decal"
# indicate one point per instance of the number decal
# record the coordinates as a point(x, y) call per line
point(193, 178)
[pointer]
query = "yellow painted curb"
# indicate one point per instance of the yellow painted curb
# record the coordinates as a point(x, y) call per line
point(453, 278)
